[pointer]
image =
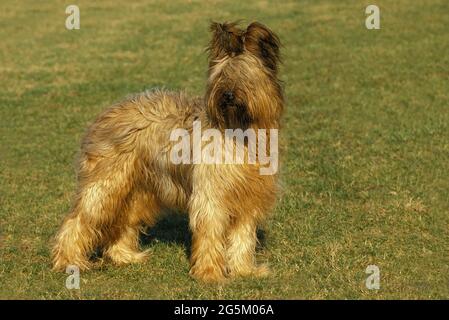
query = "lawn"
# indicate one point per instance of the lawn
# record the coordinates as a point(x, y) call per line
point(365, 143)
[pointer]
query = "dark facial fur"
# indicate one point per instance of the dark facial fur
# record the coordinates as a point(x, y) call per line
point(243, 89)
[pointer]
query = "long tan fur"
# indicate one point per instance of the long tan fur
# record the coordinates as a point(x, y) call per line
point(125, 176)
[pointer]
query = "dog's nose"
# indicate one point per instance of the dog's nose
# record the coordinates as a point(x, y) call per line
point(228, 96)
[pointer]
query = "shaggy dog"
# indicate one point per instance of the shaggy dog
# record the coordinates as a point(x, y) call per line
point(126, 176)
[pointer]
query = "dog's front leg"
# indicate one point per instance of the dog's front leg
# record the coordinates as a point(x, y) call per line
point(241, 249)
point(208, 222)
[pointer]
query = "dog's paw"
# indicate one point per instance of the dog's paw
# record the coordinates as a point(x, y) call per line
point(261, 271)
point(122, 256)
point(207, 274)
point(258, 271)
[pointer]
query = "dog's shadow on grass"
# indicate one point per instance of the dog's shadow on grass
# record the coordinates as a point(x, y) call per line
point(173, 228)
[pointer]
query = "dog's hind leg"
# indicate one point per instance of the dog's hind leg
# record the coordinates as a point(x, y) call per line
point(141, 210)
point(103, 188)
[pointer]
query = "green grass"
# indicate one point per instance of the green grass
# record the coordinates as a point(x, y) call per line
point(365, 142)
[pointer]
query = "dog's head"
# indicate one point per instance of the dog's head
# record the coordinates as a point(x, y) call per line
point(243, 89)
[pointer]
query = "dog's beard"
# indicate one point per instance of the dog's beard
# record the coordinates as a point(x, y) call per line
point(236, 117)
point(225, 113)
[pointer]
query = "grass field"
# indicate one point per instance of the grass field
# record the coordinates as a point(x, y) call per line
point(365, 160)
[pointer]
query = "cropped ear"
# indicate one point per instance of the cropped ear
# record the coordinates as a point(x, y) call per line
point(262, 42)
point(227, 39)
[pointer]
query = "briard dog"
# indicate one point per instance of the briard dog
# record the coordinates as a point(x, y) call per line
point(126, 176)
